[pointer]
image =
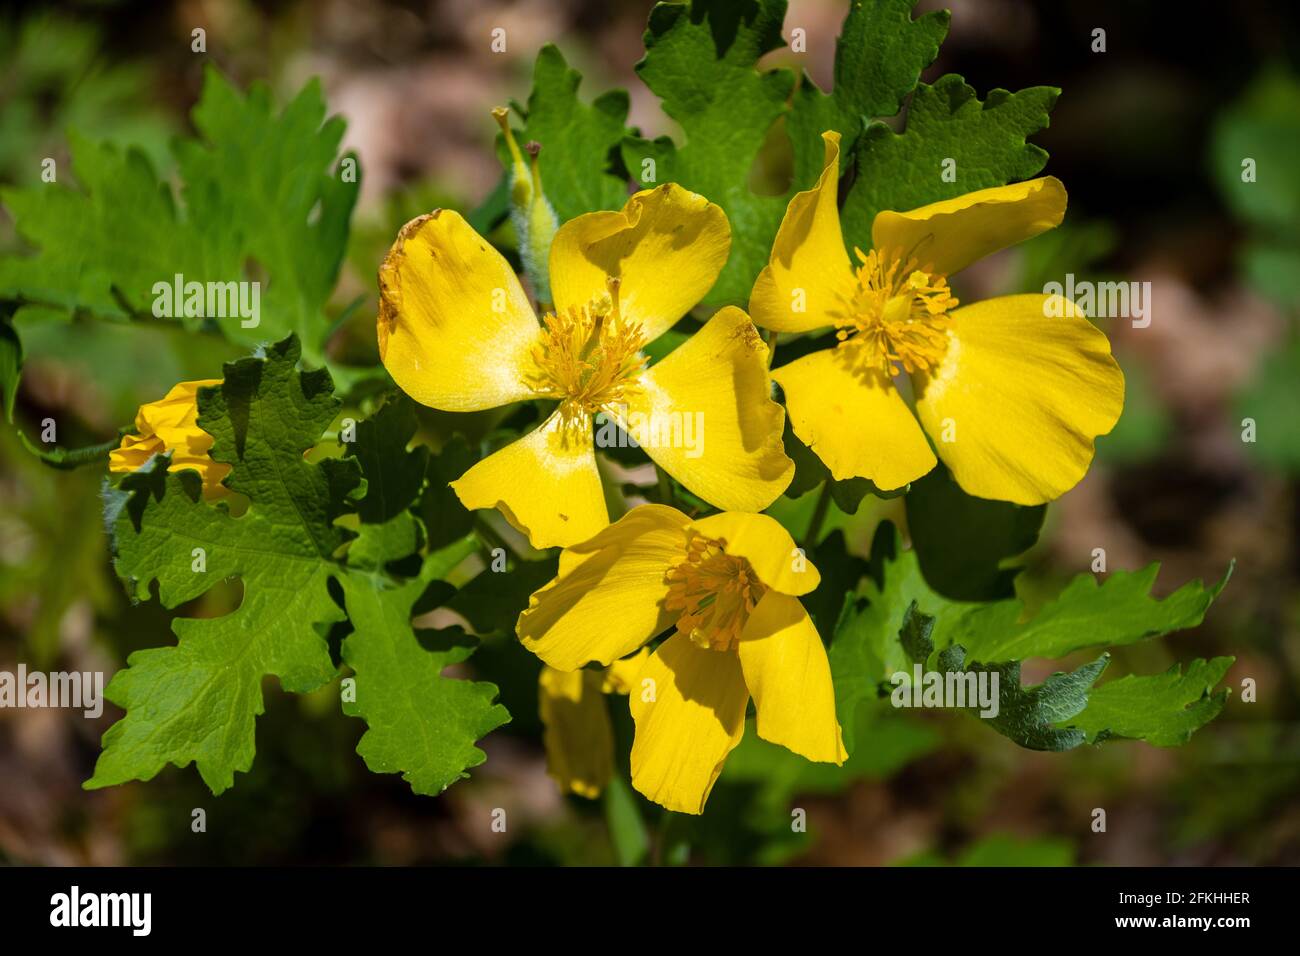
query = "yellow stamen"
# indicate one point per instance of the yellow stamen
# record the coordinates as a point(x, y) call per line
point(588, 357)
point(715, 593)
point(897, 315)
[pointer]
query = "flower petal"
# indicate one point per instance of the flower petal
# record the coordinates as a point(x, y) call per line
point(666, 246)
point(621, 676)
point(768, 547)
point(854, 419)
point(809, 269)
point(787, 671)
point(171, 424)
point(134, 451)
point(577, 734)
point(948, 236)
point(705, 415)
point(455, 328)
point(546, 484)
point(1026, 394)
point(607, 598)
point(174, 417)
point(693, 719)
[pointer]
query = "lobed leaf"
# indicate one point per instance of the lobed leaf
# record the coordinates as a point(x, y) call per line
point(197, 702)
point(257, 187)
point(985, 142)
point(579, 158)
point(420, 722)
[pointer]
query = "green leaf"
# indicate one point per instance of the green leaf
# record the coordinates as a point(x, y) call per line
point(579, 161)
point(1163, 709)
point(1116, 612)
point(377, 546)
point(866, 649)
point(283, 175)
point(916, 635)
point(196, 702)
point(421, 723)
point(962, 541)
point(945, 121)
point(257, 188)
point(394, 475)
point(878, 627)
point(1029, 715)
point(116, 238)
point(701, 62)
point(879, 54)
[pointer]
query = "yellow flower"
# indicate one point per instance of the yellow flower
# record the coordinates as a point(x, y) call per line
point(578, 736)
point(1012, 390)
point(729, 585)
point(171, 424)
point(456, 332)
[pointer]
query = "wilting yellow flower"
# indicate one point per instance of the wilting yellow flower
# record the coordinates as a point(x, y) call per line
point(578, 736)
point(457, 333)
point(171, 424)
point(729, 584)
point(1012, 390)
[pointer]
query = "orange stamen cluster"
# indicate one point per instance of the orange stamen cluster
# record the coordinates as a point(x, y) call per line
point(715, 593)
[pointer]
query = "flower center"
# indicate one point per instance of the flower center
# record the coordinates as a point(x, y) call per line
point(897, 315)
point(588, 356)
point(715, 593)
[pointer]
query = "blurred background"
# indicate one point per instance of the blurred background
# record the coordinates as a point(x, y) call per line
point(1149, 137)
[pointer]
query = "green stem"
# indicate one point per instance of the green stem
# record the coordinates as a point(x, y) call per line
point(66, 459)
point(819, 516)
